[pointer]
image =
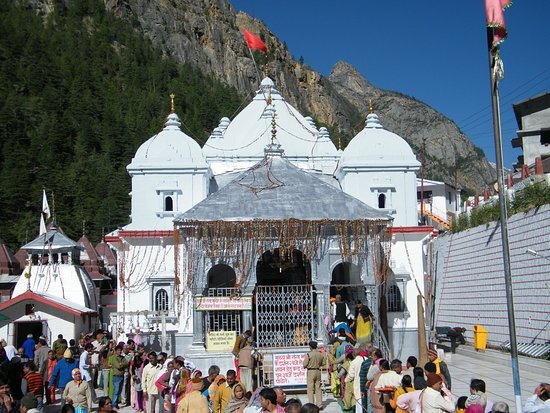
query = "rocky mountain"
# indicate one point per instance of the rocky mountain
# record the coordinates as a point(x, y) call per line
point(207, 34)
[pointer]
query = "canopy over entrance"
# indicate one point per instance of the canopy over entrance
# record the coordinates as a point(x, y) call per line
point(273, 205)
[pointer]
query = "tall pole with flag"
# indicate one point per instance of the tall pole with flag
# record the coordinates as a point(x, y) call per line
point(496, 33)
point(45, 214)
point(253, 42)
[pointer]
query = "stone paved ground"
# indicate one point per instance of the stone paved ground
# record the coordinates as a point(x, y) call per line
point(491, 366)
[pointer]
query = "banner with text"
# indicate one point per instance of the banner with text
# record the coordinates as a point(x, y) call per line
point(223, 303)
point(288, 369)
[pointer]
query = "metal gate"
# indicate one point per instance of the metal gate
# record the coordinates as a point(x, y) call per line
point(285, 315)
point(222, 320)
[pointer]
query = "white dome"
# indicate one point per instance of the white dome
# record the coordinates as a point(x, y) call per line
point(170, 148)
point(324, 145)
point(251, 130)
point(376, 146)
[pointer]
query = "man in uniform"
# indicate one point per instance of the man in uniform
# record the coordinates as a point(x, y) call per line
point(313, 362)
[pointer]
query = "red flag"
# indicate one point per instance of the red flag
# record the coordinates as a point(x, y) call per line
point(254, 42)
point(494, 9)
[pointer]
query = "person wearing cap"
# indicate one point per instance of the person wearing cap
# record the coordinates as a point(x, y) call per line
point(77, 392)
point(119, 364)
point(313, 362)
point(436, 398)
point(28, 345)
point(29, 404)
point(62, 373)
point(440, 367)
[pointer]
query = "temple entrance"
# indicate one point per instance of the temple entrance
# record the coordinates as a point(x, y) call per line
point(221, 283)
point(346, 282)
point(285, 300)
point(274, 268)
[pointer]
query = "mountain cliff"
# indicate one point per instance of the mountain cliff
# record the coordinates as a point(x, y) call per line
point(207, 35)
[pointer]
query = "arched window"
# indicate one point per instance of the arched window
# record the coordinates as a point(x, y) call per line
point(161, 300)
point(382, 201)
point(168, 203)
point(395, 301)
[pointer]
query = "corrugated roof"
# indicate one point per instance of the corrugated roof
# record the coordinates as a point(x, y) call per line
point(274, 189)
point(53, 240)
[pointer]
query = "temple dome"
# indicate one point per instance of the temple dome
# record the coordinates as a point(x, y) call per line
point(170, 148)
point(377, 146)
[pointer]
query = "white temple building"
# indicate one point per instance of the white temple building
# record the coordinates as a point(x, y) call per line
point(54, 295)
point(169, 296)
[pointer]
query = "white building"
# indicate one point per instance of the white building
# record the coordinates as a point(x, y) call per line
point(441, 202)
point(54, 295)
point(170, 174)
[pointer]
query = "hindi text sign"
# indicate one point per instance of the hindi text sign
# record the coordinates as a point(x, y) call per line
point(288, 369)
point(220, 340)
point(223, 303)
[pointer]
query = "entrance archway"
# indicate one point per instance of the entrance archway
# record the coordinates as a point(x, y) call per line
point(221, 276)
point(274, 268)
point(346, 282)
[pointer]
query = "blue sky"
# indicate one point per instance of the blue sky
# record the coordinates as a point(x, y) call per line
point(434, 50)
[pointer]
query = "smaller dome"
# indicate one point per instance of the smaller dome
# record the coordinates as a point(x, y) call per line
point(375, 145)
point(324, 145)
point(169, 148)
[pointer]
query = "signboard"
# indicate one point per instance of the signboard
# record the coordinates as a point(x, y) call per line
point(220, 341)
point(288, 369)
point(223, 303)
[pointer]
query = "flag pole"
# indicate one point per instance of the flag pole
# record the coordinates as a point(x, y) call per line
point(494, 66)
point(255, 65)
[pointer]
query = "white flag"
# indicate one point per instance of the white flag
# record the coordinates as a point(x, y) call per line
point(43, 228)
point(45, 206)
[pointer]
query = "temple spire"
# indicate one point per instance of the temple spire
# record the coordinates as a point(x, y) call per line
point(172, 107)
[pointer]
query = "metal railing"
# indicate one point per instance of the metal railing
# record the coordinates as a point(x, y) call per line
point(284, 315)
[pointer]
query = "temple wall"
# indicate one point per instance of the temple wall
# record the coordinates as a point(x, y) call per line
point(470, 279)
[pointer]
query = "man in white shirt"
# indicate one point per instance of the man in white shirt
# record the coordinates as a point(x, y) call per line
point(84, 365)
point(393, 377)
point(436, 398)
point(148, 379)
point(540, 401)
point(353, 376)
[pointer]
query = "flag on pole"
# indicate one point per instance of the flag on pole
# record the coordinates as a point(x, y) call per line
point(254, 42)
point(45, 206)
point(43, 228)
point(494, 9)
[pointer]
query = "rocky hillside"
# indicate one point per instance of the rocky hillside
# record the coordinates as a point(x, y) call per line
point(206, 34)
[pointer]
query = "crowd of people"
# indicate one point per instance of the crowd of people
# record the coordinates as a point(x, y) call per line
point(72, 374)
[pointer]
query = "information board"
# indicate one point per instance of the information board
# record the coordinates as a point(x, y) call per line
point(223, 303)
point(288, 369)
point(220, 341)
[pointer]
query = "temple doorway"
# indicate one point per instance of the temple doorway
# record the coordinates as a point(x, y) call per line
point(346, 282)
point(286, 268)
point(221, 279)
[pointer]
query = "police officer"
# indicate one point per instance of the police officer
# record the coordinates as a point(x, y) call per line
point(313, 362)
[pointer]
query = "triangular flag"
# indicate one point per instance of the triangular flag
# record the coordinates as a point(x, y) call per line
point(254, 42)
point(45, 206)
point(43, 228)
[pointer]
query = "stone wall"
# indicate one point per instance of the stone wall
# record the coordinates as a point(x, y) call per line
point(470, 286)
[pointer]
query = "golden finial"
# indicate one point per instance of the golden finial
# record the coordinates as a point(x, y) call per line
point(371, 110)
point(273, 128)
point(266, 69)
point(172, 109)
point(269, 100)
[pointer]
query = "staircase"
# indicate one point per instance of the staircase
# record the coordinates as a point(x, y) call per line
point(436, 220)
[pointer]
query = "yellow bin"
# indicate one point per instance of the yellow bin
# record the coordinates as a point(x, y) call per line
point(480, 337)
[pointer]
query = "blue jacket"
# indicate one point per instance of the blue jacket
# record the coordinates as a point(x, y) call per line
point(28, 345)
point(62, 372)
